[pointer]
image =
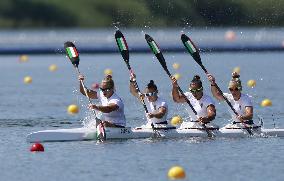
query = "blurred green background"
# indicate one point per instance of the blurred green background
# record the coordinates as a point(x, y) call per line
point(140, 13)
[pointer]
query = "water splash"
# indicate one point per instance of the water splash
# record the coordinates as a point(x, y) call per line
point(116, 25)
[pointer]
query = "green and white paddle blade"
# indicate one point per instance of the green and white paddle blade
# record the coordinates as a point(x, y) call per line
point(153, 45)
point(72, 53)
point(122, 45)
point(191, 48)
point(156, 50)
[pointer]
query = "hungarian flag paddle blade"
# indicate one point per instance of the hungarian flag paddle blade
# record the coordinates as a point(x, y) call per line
point(191, 48)
point(122, 45)
point(72, 53)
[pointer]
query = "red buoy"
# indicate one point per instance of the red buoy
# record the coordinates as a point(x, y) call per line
point(37, 147)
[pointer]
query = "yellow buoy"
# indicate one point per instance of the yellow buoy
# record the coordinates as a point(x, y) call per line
point(28, 80)
point(176, 65)
point(108, 72)
point(237, 69)
point(266, 102)
point(230, 35)
point(73, 109)
point(177, 76)
point(176, 172)
point(52, 68)
point(251, 83)
point(23, 58)
point(176, 120)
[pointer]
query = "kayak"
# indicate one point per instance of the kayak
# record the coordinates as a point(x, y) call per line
point(187, 129)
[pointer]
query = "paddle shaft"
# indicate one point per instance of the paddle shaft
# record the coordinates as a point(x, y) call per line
point(163, 63)
point(93, 110)
point(142, 98)
point(222, 94)
point(218, 88)
point(155, 49)
point(86, 92)
point(73, 56)
point(137, 87)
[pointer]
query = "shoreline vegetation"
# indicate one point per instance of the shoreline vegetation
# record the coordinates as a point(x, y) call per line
point(140, 13)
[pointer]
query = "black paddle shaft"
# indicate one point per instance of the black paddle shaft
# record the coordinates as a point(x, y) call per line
point(123, 48)
point(155, 49)
point(194, 52)
point(73, 55)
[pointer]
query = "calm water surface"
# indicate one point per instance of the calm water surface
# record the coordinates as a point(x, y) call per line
point(42, 105)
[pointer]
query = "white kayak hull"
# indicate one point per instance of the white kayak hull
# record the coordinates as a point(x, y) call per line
point(81, 134)
point(75, 134)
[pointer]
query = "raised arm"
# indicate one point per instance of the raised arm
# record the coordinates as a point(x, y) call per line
point(214, 89)
point(177, 97)
point(91, 94)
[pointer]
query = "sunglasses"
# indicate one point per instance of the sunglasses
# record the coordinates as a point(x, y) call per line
point(105, 90)
point(235, 89)
point(151, 94)
point(195, 90)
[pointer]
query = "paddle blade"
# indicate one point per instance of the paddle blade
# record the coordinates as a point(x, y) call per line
point(72, 53)
point(122, 45)
point(156, 50)
point(191, 48)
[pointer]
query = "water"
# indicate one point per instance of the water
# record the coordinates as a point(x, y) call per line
point(42, 105)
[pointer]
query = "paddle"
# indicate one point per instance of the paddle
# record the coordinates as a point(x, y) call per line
point(73, 55)
point(155, 49)
point(124, 51)
point(194, 52)
point(123, 48)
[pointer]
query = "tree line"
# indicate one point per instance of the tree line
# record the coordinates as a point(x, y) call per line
point(140, 13)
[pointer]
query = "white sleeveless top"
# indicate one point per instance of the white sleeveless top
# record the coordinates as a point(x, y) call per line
point(200, 105)
point(116, 117)
point(153, 107)
point(240, 105)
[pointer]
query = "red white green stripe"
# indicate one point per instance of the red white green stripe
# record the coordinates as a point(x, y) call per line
point(122, 44)
point(190, 47)
point(72, 52)
point(154, 47)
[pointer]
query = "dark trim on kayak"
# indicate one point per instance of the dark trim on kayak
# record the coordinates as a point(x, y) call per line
point(208, 128)
point(166, 128)
point(254, 127)
point(158, 128)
